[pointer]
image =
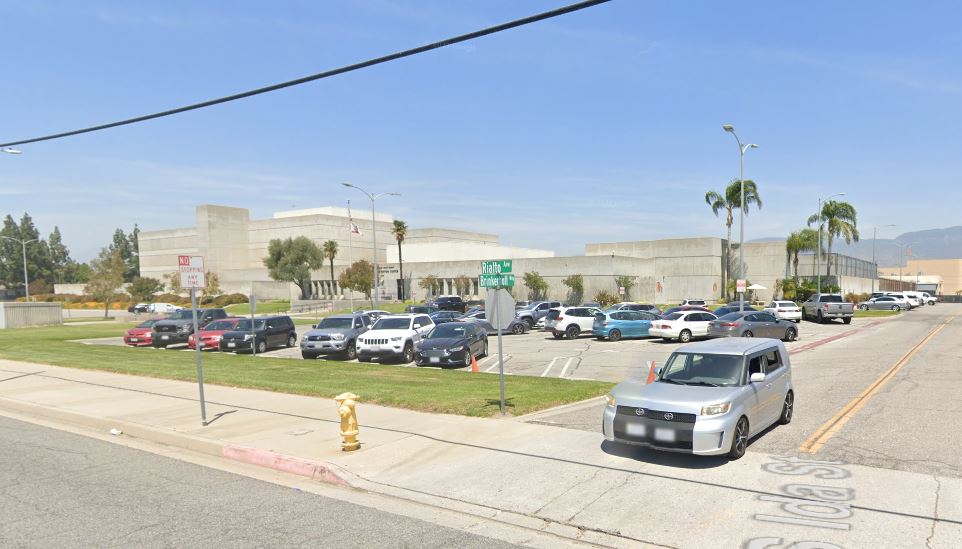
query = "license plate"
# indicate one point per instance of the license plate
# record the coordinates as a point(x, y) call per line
point(665, 435)
point(635, 429)
point(134, 339)
point(310, 346)
point(232, 344)
point(375, 347)
point(435, 359)
point(164, 337)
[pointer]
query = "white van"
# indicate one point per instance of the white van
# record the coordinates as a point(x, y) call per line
point(919, 296)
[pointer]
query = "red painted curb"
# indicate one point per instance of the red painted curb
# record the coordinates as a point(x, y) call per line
point(279, 462)
point(820, 342)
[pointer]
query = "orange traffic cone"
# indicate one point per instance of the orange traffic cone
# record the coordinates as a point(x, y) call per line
point(651, 372)
point(474, 364)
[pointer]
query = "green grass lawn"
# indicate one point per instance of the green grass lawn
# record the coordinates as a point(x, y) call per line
point(427, 390)
point(870, 314)
point(88, 319)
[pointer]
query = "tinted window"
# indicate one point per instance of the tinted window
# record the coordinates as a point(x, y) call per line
point(774, 360)
point(830, 299)
point(730, 317)
point(553, 314)
point(147, 323)
point(335, 323)
point(220, 325)
point(245, 325)
point(674, 316)
point(766, 317)
point(618, 315)
point(754, 318)
point(450, 329)
point(703, 369)
point(388, 323)
point(647, 316)
point(424, 320)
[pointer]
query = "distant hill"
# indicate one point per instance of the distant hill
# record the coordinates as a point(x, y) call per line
point(928, 244)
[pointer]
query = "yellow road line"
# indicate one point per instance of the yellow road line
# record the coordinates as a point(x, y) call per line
point(824, 433)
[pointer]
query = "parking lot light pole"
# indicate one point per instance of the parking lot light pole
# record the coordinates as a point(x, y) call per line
point(875, 267)
point(818, 253)
point(23, 247)
point(9, 150)
point(741, 209)
point(373, 198)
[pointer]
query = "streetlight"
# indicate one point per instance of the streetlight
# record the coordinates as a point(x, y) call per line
point(10, 150)
point(741, 209)
point(818, 255)
point(373, 198)
point(875, 269)
point(23, 245)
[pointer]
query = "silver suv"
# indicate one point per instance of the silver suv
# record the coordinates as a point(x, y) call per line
point(335, 334)
point(535, 311)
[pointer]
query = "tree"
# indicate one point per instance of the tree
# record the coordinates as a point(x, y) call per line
point(358, 277)
point(805, 240)
point(292, 260)
point(730, 202)
point(10, 253)
point(59, 256)
point(173, 282)
point(329, 249)
point(431, 284)
point(107, 277)
point(462, 285)
point(400, 231)
point(537, 287)
point(839, 219)
point(626, 282)
point(76, 273)
point(576, 285)
point(605, 298)
point(144, 288)
point(211, 286)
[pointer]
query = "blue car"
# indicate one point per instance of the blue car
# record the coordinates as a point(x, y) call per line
point(614, 325)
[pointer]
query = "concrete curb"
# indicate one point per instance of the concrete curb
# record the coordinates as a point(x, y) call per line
point(588, 403)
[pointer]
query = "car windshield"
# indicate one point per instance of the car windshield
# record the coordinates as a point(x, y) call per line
point(245, 325)
point(553, 314)
point(830, 299)
point(703, 370)
point(220, 325)
point(147, 323)
point(447, 330)
point(329, 323)
point(784, 303)
point(183, 314)
point(392, 324)
point(674, 316)
point(422, 310)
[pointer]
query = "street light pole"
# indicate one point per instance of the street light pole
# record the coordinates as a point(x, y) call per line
point(373, 198)
point(741, 209)
point(874, 265)
point(818, 253)
point(23, 248)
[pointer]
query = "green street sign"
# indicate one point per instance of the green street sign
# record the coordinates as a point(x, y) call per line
point(497, 280)
point(501, 266)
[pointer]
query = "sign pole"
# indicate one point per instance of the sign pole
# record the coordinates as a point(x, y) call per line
point(500, 354)
point(253, 333)
point(200, 369)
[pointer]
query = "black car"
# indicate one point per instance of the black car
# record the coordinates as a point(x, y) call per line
point(731, 308)
point(421, 309)
point(451, 344)
point(270, 332)
point(177, 327)
point(451, 303)
point(441, 317)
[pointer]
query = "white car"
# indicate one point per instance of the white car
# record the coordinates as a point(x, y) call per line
point(918, 296)
point(393, 337)
point(912, 301)
point(694, 303)
point(570, 322)
point(787, 310)
point(683, 326)
point(162, 308)
point(930, 299)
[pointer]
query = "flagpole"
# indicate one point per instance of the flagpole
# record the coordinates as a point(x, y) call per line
point(350, 248)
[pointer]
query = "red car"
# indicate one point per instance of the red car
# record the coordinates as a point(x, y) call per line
point(210, 334)
point(140, 335)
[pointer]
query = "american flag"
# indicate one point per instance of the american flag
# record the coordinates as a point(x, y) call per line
point(354, 228)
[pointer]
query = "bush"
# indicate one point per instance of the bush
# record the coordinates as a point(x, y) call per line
point(606, 298)
point(230, 299)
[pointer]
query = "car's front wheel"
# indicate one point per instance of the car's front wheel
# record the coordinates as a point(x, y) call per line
point(572, 332)
point(790, 334)
point(262, 346)
point(529, 321)
point(292, 340)
point(308, 356)
point(739, 439)
point(517, 329)
point(351, 352)
point(408, 354)
point(896, 308)
point(684, 336)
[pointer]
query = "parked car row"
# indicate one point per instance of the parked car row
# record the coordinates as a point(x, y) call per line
point(216, 331)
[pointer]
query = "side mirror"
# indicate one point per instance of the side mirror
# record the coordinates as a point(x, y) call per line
point(313, 326)
point(658, 370)
point(757, 377)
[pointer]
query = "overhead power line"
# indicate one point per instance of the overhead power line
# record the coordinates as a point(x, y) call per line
point(333, 72)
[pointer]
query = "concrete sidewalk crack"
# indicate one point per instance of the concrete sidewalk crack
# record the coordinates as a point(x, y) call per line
point(935, 514)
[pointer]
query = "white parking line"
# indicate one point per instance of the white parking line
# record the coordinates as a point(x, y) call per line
point(565, 369)
point(550, 365)
point(494, 364)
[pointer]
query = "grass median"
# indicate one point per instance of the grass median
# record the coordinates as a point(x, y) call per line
point(873, 313)
point(429, 390)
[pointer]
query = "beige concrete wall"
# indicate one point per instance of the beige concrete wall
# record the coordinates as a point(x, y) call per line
point(159, 250)
point(433, 234)
point(18, 315)
point(461, 251)
point(949, 269)
point(222, 237)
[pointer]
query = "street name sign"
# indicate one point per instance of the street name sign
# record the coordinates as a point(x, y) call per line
point(501, 266)
point(191, 272)
point(496, 281)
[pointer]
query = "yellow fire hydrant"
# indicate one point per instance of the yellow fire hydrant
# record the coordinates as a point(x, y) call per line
point(345, 408)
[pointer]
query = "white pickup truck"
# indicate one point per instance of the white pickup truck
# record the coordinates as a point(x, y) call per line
point(822, 307)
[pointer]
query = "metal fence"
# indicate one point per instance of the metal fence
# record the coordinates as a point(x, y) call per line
point(18, 315)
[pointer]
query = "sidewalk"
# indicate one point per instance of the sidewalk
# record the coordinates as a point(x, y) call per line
point(563, 481)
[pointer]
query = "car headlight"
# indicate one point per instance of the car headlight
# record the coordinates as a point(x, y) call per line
point(337, 337)
point(398, 338)
point(456, 349)
point(184, 328)
point(610, 400)
point(248, 337)
point(716, 409)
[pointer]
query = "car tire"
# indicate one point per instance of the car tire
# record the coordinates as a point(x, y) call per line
point(308, 356)
point(262, 346)
point(863, 307)
point(517, 329)
point(614, 335)
point(572, 332)
point(931, 303)
point(292, 340)
point(408, 355)
point(748, 333)
point(739, 439)
point(847, 320)
point(820, 318)
point(684, 336)
point(791, 334)
point(788, 409)
point(529, 321)
point(556, 336)
point(351, 352)
point(896, 308)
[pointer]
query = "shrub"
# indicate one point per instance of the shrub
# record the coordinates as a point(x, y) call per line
point(606, 298)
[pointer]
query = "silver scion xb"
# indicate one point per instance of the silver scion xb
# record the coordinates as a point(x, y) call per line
point(709, 398)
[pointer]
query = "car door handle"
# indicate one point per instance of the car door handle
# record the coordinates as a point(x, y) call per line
point(768, 386)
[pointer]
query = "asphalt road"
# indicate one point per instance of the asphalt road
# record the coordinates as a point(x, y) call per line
point(63, 490)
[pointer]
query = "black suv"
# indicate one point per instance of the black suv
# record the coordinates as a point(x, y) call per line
point(269, 332)
point(451, 303)
point(177, 327)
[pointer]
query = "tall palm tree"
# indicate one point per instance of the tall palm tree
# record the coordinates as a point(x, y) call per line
point(805, 240)
point(839, 219)
point(329, 249)
point(400, 230)
point(730, 202)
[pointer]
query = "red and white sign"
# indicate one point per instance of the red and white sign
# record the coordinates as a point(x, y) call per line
point(191, 272)
point(740, 286)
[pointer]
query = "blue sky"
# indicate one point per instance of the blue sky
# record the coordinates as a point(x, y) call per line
point(597, 126)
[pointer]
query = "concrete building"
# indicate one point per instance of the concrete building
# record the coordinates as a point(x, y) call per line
point(663, 271)
point(948, 271)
